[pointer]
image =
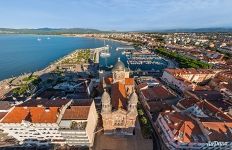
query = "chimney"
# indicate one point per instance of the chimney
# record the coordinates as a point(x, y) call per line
point(47, 109)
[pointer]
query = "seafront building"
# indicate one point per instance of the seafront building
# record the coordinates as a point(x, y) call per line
point(199, 126)
point(187, 79)
point(56, 121)
point(119, 108)
point(78, 123)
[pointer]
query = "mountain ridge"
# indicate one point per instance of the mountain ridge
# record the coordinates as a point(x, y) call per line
point(89, 30)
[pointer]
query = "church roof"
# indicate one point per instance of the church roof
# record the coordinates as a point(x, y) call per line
point(119, 66)
point(118, 94)
point(128, 81)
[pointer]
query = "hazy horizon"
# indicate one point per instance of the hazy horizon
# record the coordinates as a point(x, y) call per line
point(119, 15)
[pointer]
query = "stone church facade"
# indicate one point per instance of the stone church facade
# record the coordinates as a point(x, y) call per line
point(119, 102)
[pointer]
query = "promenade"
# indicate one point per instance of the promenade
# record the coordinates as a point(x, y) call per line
point(9, 84)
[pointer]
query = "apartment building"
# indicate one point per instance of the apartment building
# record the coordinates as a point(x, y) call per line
point(78, 123)
point(200, 126)
point(56, 121)
point(186, 79)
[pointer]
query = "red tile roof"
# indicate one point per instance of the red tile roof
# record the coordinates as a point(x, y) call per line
point(157, 93)
point(76, 113)
point(188, 71)
point(36, 111)
point(213, 112)
point(32, 114)
point(182, 126)
point(188, 102)
point(142, 85)
point(118, 93)
point(129, 81)
point(219, 130)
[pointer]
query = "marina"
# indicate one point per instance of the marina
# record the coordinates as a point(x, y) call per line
point(143, 60)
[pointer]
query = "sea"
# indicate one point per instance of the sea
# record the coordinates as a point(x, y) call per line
point(21, 54)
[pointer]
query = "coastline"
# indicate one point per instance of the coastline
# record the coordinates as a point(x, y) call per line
point(99, 38)
point(54, 61)
point(5, 85)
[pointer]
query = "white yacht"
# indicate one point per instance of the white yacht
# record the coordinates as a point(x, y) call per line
point(106, 52)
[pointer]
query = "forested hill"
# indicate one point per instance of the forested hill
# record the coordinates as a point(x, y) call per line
point(48, 31)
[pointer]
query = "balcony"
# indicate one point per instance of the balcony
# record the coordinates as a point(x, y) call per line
point(75, 126)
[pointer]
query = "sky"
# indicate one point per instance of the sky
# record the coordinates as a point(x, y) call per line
point(121, 15)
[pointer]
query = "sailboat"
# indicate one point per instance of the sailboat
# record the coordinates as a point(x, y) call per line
point(106, 52)
point(39, 39)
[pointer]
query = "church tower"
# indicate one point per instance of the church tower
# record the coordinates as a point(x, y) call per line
point(106, 102)
point(119, 111)
point(119, 72)
point(132, 104)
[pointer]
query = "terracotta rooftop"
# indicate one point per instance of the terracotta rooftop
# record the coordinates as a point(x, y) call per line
point(213, 113)
point(157, 93)
point(36, 111)
point(158, 106)
point(118, 93)
point(128, 81)
point(182, 126)
point(142, 85)
point(186, 129)
point(210, 95)
point(32, 114)
point(188, 102)
point(76, 113)
point(188, 71)
point(219, 131)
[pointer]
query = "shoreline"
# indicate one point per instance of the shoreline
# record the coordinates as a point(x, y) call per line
point(6, 84)
point(99, 38)
point(52, 62)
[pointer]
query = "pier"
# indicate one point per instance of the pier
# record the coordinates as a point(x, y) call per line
point(125, 48)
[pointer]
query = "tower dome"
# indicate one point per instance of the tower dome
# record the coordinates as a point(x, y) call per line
point(106, 103)
point(105, 97)
point(133, 99)
point(119, 66)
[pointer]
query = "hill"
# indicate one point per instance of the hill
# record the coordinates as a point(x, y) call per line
point(49, 31)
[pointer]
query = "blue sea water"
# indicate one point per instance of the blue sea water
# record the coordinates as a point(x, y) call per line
point(28, 53)
point(25, 53)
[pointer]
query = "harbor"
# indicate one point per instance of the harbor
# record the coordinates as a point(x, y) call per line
point(139, 60)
